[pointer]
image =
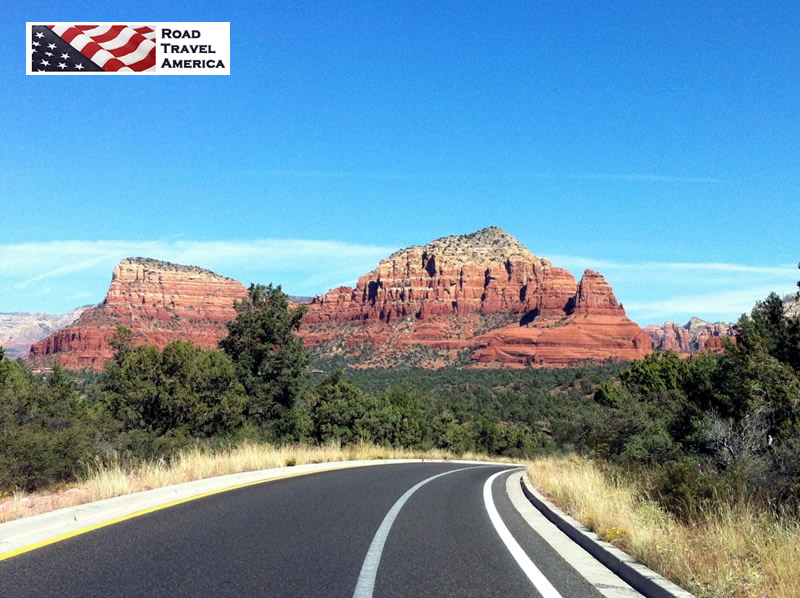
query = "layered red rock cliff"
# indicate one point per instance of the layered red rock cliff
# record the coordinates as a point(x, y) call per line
point(481, 299)
point(697, 335)
point(485, 272)
point(693, 337)
point(159, 301)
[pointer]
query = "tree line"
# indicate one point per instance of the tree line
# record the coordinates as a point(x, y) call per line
point(694, 428)
point(257, 385)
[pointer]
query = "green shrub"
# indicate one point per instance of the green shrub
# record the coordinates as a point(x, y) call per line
point(45, 431)
point(684, 488)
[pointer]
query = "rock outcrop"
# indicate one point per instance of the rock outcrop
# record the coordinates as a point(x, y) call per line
point(694, 336)
point(158, 301)
point(18, 331)
point(697, 335)
point(486, 272)
point(478, 300)
point(481, 299)
point(791, 305)
point(670, 336)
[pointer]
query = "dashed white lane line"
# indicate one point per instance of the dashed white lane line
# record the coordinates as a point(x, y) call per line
point(369, 569)
point(539, 581)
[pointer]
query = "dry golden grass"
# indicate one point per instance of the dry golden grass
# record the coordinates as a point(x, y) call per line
point(735, 550)
point(106, 480)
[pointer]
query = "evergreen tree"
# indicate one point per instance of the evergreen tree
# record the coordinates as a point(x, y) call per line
point(184, 390)
point(343, 413)
point(44, 434)
point(269, 357)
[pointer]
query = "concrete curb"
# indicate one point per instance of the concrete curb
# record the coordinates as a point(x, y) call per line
point(639, 577)
point(28, 533)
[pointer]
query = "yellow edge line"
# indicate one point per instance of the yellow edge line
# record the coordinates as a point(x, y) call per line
point(24, 549)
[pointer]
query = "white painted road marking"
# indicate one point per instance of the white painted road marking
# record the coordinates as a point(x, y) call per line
point(593, 571)
point(369, 570)
point(539, 581)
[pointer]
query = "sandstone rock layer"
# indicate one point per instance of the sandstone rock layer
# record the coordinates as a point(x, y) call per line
point(159, 301)
point(477, 300)
point(485, 272)
point(694, 336)
point(481, 299)
point(18, 331)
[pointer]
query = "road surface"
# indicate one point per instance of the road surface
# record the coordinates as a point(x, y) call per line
point(411, 530)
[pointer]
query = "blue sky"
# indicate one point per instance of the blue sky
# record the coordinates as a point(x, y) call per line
point(658, 143)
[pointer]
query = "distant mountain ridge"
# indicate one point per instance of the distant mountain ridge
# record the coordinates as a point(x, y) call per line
point(697, 334)
point(791, 305)
point(478, 300)
point(19, 330)
point(692, 337)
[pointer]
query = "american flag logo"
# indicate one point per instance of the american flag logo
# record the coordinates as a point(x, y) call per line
point(82, 48)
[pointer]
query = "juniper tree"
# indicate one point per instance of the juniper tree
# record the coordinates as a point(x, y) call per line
point(270, 359)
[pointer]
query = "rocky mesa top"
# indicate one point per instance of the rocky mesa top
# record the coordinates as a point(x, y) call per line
point(162, 266)
point(490, 245)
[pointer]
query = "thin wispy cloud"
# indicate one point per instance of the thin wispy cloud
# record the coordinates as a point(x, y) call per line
point(57, 258)
point(653, 292)
point(34, 275)
point(651, 178)
point(79, 266)
point(569, 261)
point(632, 177)
point(80, 295)
point(734, 302)
point(338, 174)
point(360, 174)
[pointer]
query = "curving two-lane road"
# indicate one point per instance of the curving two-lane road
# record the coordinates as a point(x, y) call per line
point(354, 532)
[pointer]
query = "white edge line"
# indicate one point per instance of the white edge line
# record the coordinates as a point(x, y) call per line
point(539, 581)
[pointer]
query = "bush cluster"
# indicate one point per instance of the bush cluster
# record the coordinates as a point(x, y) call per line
point(714, 423)
point(45, 431)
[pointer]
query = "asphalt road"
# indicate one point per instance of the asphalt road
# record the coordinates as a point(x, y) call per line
point(308, 536)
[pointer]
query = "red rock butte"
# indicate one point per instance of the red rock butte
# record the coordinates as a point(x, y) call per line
point(477, 300)
point(159, 301)
point(481, 299)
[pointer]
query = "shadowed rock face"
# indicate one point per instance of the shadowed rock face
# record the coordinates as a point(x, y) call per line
point(159, 301)
point(485, 272)
point(697, 335)
point(484, 294)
